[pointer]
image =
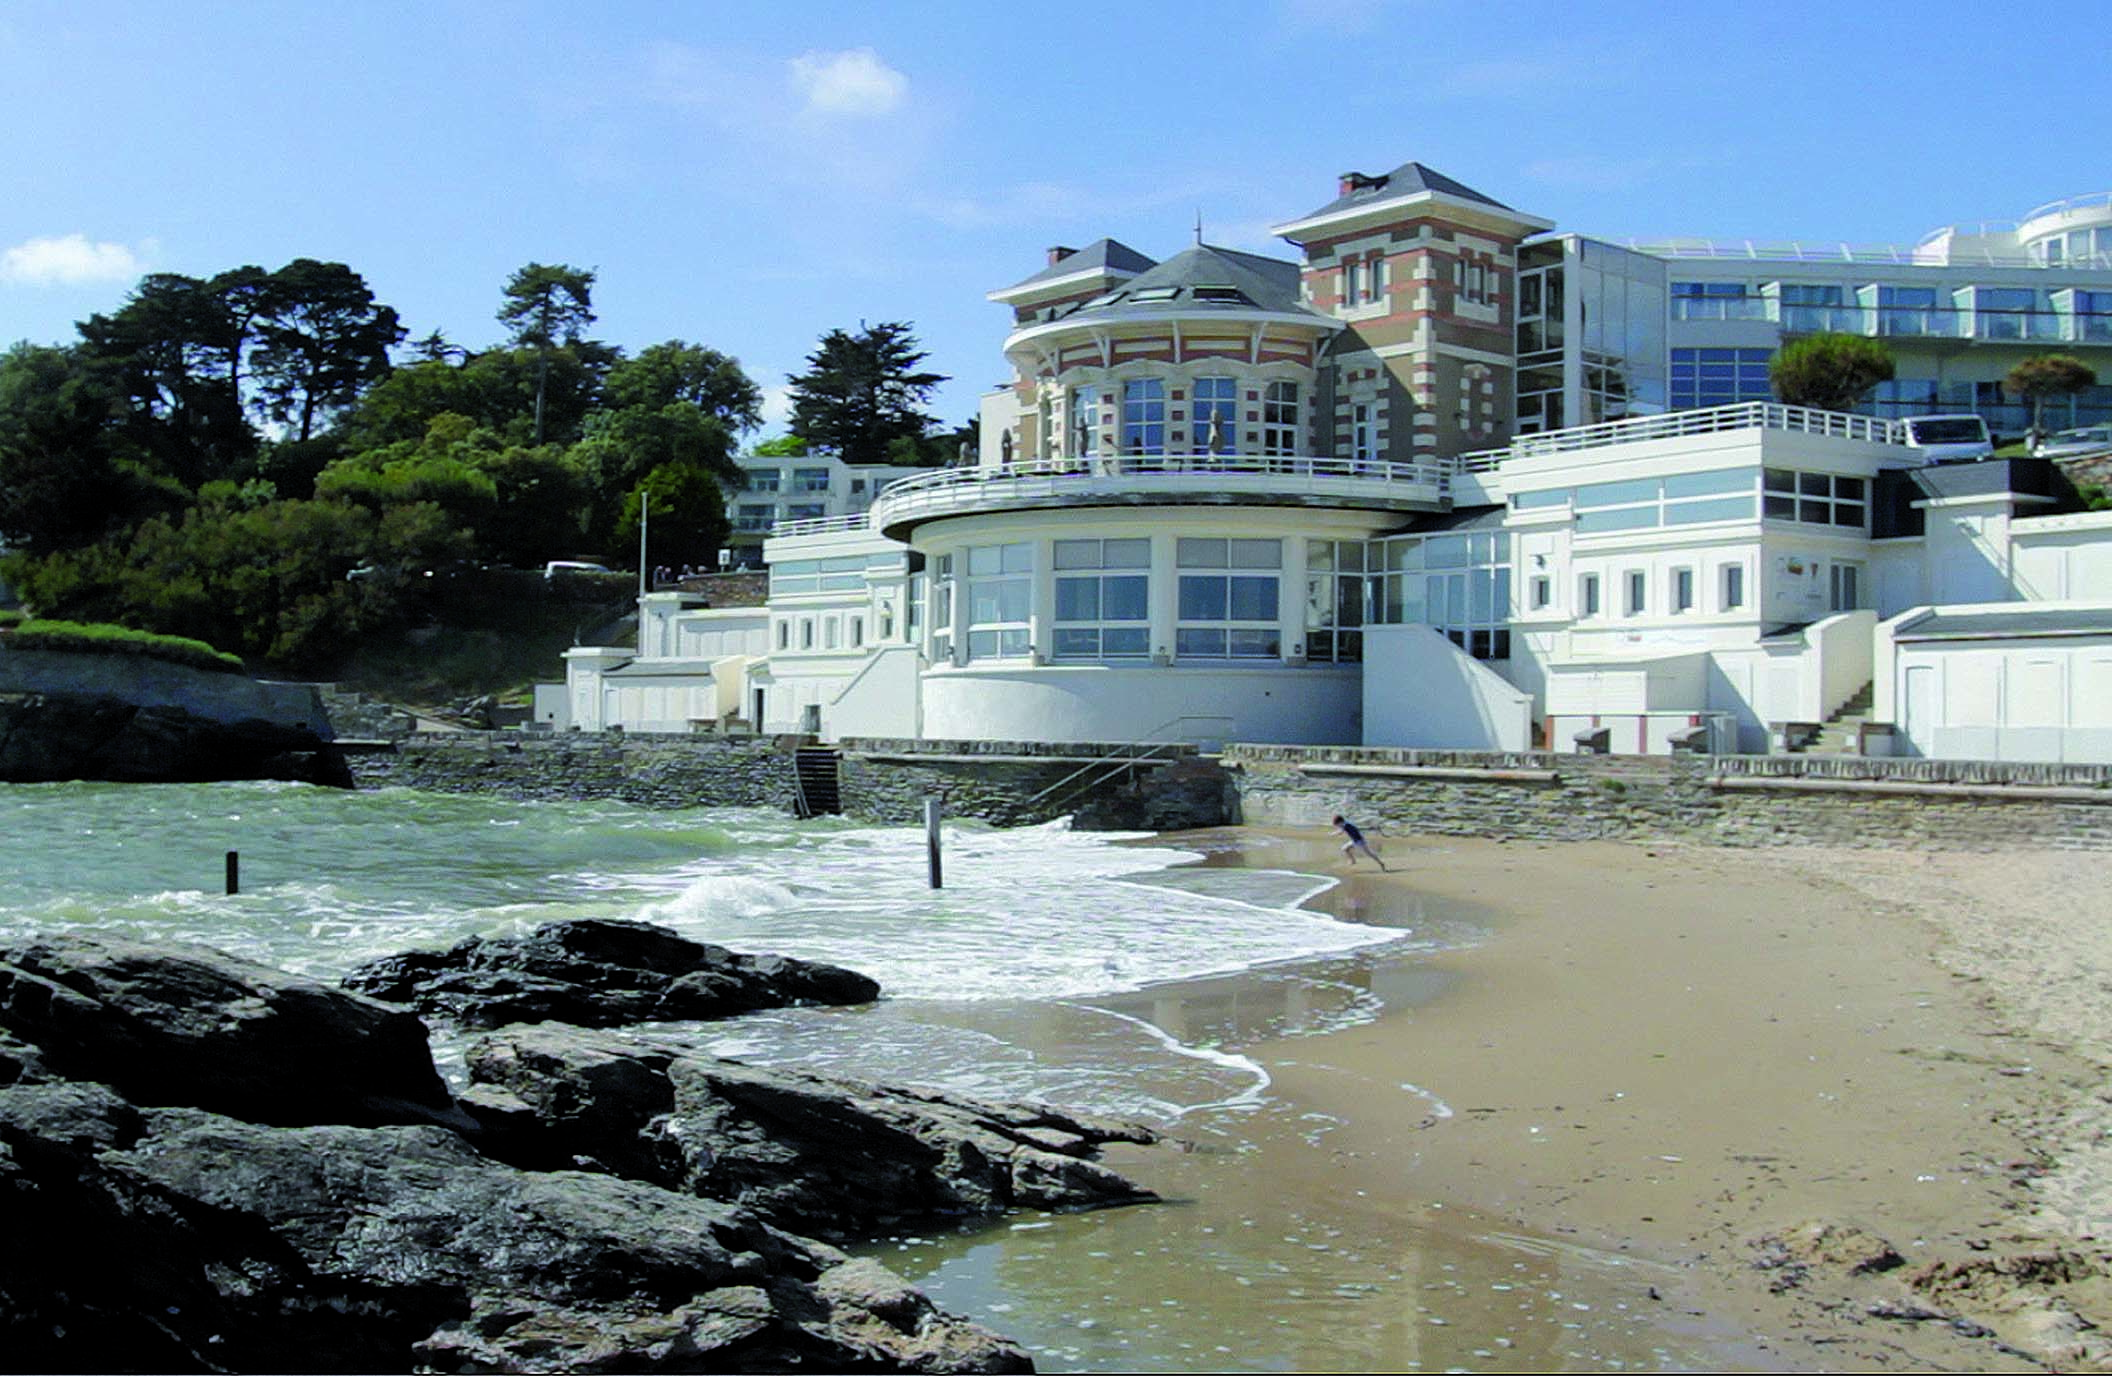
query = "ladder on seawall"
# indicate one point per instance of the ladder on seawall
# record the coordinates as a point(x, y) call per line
point(815, 781)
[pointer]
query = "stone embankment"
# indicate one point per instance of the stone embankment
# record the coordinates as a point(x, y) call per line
point(1724, 800)
point(67, 715)
point(209, 1165)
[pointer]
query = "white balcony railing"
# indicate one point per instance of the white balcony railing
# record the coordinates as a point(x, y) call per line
point(1044, 482)
point(1672, 424)
point(822, 525)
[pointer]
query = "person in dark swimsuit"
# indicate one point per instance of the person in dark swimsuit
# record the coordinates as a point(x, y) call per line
point(1355, 842)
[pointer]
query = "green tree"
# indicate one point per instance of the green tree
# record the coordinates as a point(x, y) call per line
point(863, 392)
point(547, 304)
point(497, 390)
point(622, 447)
point(687, 520)
point(781, 447)
point(169, 350)
point(2047, 375)
point(1832, 372)
point(323, 340)
point(69, 473)
point(678, 371)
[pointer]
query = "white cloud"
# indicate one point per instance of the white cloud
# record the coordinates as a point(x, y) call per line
point(67, 260)
point(854, 83)
point(777, 409)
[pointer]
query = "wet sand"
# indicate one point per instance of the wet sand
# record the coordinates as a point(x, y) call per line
point(1844, 1108)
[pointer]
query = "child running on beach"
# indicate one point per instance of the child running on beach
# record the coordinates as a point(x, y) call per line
point(1356, 842)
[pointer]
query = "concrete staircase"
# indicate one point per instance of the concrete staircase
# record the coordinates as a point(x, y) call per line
point(1842, 733)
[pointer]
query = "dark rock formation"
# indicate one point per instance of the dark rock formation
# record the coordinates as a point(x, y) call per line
point(600, 974)
point(191, 1026)
point(178, 1240)
point(58, 735)
point(813, 1153)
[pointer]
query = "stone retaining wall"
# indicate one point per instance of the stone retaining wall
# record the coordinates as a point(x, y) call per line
point(1723, 800)
point(1013, 783)
point(648, 769)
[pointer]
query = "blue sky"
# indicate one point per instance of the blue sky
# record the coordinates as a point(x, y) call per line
point(748, 176)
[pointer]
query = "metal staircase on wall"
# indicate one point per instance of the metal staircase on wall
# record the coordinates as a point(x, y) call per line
point(816, 782)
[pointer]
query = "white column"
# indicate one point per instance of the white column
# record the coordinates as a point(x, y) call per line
point(1291, 632)
point(1165, 594)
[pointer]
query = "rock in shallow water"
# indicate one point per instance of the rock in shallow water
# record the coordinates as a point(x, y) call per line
point(819, 1154)
point(600, 974)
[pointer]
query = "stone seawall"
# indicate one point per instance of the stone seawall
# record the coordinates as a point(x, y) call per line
point(1722, 800)
point(1007, 783)
point(651, 770)
point(1108, 786)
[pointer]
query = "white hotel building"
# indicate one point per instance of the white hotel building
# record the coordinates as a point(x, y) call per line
point(1230, 497)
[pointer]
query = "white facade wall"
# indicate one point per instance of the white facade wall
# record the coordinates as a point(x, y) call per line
point(1280, 704)
point(2041, 699)
point(2063, 558)
point(1422, 690)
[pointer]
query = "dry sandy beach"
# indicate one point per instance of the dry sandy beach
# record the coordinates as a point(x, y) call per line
point(1843, 1109)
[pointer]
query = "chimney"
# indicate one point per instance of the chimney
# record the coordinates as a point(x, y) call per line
point(1059, 252)
point(1354, 181)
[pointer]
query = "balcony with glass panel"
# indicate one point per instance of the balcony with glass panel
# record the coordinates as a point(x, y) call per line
point(1279, 480)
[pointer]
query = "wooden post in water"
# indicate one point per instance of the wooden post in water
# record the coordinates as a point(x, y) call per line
point(234, 872)
point(931, 838)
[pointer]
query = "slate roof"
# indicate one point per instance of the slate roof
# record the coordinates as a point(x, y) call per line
point(2025, 619)
point(1109, 254)
point(1405, 180)
point(1203, 278)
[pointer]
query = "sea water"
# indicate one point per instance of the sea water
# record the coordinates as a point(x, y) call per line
point(1100, 973)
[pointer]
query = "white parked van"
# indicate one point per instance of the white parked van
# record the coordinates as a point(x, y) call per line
point(1947, 439)
point(572, 566)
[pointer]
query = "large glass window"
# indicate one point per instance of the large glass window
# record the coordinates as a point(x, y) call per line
point(810, 480)
point(1363, 433)
point(1908, 311)
point(1720, 377)
point(840, 574)
point(763, 480)
point(1144, 416)
point(1103, 599)
point(1716, 301)
point(2006, 313)
point(1216, 403)
point(1679, 499)
point(2093, 316)
point(1813, 306)
point(1334, 601)
point(1085, 422)
point(1279, 419)
point(1458, 583)
point(1000, 599)
point(942, 590)
point(1229, 604)
point(1815, 499)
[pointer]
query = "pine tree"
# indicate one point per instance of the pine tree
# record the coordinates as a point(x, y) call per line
point(861, 393)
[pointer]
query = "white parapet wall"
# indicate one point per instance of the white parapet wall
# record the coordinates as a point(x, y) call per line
point(1309, 705)
point(2005, 681)
point(1422, 690)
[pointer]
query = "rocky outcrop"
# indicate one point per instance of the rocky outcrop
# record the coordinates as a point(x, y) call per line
point(67, 715)
point(178, 1240)
point(208, 1165)
point(600, 974)
point(196, 1027)
point(820, 1154)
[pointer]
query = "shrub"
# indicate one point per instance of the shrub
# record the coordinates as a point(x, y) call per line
point(96, 638)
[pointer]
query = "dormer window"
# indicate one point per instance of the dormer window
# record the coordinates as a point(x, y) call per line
point(1155, 294)
point(1231, 294)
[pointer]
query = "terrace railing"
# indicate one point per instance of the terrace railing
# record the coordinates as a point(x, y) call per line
point(822, 525)
point(1037, 481)
point(1673, 424)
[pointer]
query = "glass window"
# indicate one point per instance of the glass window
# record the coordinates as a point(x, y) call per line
point(1682, 590)
point(1588, 596)
point(1100, 613)
point(763, 480)
point(1363, 436)
point(1225, 614)
point(1279, 419)
point(1085, 421)
point(1216, 403)
point(1144, 416)
point(1638, 593)
point(1542, 592)
point(1733, 587)
point(1334, 601)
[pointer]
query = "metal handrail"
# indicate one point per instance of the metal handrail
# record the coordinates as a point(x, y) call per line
point(1118, 762)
